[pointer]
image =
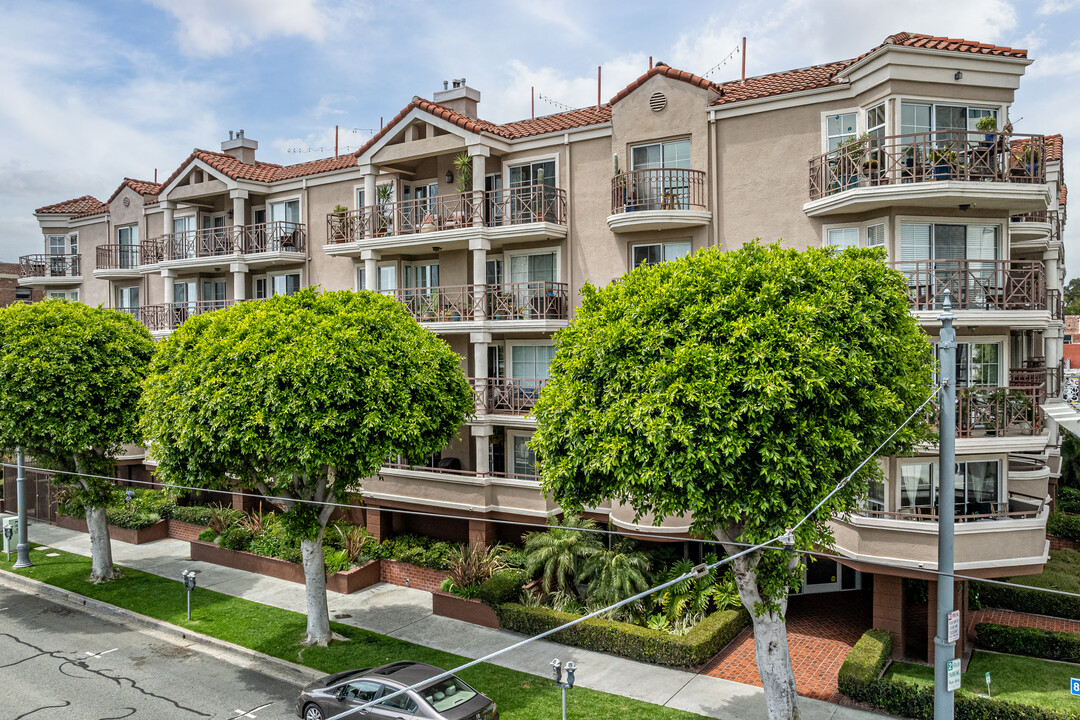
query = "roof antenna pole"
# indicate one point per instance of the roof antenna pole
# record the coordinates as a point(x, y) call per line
point(532, 92)
point(155, 175)
point(744, 59)
point(650, 62)
point(335, 141)
point(597, 86)
point(380, 123)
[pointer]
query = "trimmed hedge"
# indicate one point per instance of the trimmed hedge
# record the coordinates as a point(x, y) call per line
point(1028, 600)
point(1064, 526)
point(235, 537)
point(503, 587)
point(208, 535)
point(130, 519)
point(1048, 644)
point(193, 514)
point(858, 679)
point(691, 650)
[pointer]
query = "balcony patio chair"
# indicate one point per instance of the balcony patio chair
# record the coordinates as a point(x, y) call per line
point(908, 513)
point(999, 509)
point(926, 512)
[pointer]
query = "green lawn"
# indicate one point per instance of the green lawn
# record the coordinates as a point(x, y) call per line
point(1026, 680)
point(277, 632)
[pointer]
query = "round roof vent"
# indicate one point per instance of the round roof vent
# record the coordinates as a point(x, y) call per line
point(658, 101)
point(127, 201)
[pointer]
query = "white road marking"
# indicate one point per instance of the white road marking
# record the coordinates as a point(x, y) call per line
point(90, 654)
point(250, 713)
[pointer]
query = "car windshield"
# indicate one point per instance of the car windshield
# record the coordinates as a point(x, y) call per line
point(447, 694)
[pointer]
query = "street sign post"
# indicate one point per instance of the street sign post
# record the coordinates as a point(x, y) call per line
point(987, 684)
point(953, 675)
point(954, 626)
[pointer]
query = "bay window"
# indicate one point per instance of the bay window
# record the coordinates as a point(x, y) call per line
point(840, 129)
point(843, 238)
point(977, 492)
point(655, 253)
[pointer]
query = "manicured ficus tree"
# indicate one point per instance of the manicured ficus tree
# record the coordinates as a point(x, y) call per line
point(70, 379)
point(301, 398)
point(738, 388)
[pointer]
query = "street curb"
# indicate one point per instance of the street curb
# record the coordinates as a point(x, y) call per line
point(282, 670)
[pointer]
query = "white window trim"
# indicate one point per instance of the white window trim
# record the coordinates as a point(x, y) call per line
point(509, 451)
point(271, 200)
point(860, 122)
point(661, 243)
point(1004, 356)
point(506, 255)
point(659, 141)
point(1002, 109)
point(900, 220)
point(862, 226)
point(507, 164)
point(893, 491)
point(269, 276)
point(511, 344)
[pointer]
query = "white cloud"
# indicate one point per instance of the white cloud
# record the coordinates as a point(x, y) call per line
point(221, 27)
point(1050, 7)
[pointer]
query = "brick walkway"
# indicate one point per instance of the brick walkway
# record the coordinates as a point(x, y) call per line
point(1019, 619)
point(822, 629)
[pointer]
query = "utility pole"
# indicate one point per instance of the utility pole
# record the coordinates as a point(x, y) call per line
point(943, 647)
point(22, 550)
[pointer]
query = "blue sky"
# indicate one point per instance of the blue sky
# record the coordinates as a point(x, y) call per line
point(97, 91)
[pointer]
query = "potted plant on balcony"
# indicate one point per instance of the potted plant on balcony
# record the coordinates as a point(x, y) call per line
point(1031, 157)
point(341, 224)
point(462, 163)
point(988, 125)
point(384, 195)
point(943, 160)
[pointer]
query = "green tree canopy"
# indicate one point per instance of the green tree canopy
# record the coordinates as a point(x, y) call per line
point(301, 397)
point(737, 388)
point(1071, 297)
point(69, 387)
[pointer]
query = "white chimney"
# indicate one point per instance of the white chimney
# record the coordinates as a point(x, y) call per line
point(240, 147)
point(459, 97)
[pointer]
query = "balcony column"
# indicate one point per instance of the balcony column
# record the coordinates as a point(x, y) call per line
point(482, 437)
point(239, 271)
point(479, 155)
point(370, 175)
point(167, 209)
point(479, 248)
point(239, 204)
point(168, 278)
point(1053, 278)
point(481, 371)
point(371, 269)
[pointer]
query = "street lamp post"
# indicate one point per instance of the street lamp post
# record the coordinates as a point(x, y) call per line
point(22, 550)
point(556, 671)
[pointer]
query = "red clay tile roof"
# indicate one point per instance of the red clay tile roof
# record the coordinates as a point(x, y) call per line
point(1063, 196)
point(667, 71)
point(146, 188)
point(86, 204)
point(1054, 145)
point(261, 171)
point(315, 167)
point(819, 76)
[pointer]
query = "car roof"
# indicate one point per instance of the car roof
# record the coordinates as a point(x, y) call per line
point(405, 673)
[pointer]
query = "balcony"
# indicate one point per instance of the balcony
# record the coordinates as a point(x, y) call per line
point(117, 261)
point(534, 212)
point(463, 490)
point(260, 244)
point(507, 396)
point(1036, 230)
point(538, 305)
point(660, 199)
point(1001, 538)
point(1003, 291)
point(169, 316)
point(44, 270)
point(996, 171)
point(1044, 381)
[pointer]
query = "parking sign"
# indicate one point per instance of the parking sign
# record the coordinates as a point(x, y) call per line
point(1074, 686)
point(953, 675)
point(954, 626)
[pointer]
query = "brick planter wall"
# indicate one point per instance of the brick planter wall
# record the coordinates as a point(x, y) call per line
point(343, 582)
point(184, 531)
point(472, 611)
point(402, 573)
point(157, 531)
point(1057, 543)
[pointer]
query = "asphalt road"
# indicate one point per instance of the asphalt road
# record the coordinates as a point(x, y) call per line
point(62, 663)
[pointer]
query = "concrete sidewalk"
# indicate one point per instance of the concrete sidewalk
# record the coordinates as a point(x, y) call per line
point(405, 613)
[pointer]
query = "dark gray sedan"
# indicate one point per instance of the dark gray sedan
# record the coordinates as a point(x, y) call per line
point(446, 699)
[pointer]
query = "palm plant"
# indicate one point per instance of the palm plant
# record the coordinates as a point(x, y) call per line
point(558, 553)
point(615, 574)
point(220, 518)
point(473, 564)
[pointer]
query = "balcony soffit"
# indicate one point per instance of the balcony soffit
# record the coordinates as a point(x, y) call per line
point(418, 115)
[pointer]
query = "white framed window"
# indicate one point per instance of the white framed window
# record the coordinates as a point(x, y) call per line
point(361, 277)
point(183, 224)
point(522, 460)
point(284, 211)
point(840, 128)
point(422, 275)
point(72, 295)
point(921, 117)
point(128, 297)
point(669, 154)
point(875, 121)
point(875, 235)
point(387, 277)
point(978, 487)
point(276, 284)
point(530, 361)
point(213, 291)
point(842, 238)
point(948, 241)
point(656, 253)
point(57, 244)
point(534, 266)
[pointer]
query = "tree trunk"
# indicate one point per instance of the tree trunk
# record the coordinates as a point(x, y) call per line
point(770, 639)
point(100, 546)
point(318, 616)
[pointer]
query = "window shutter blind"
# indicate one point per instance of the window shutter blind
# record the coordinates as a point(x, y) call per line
point(982, 242)
point(914, 242)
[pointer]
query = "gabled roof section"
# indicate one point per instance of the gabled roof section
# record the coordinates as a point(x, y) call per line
point(314, 167)
point(1054, 146)
point(820, 76)
point(149, 190)
point(85, 205)
point(669, 72)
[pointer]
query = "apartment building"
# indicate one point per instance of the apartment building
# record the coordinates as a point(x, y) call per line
point(487, 232)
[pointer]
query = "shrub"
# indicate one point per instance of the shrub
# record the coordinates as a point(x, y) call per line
point(221, 517)
point(858, 679)
point(275, 543)
point(474, 564)
point(193, 515)
point(503, 587)
point(1029, 600)
point(256, 522)
point(208, 535)
point(691, 650)
point(515, 558)
point(66, 503)
point(335, 560)
point(151, 501)
point(1066, 527)
point(865, 662)
point(355, 540)
point(130, 519)
point(235, 537)
point(1071, 507)
point(1063, 646)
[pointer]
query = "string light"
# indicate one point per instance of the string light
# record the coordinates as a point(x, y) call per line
point(365, 132)
point(555, 103)
point(722, 63)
